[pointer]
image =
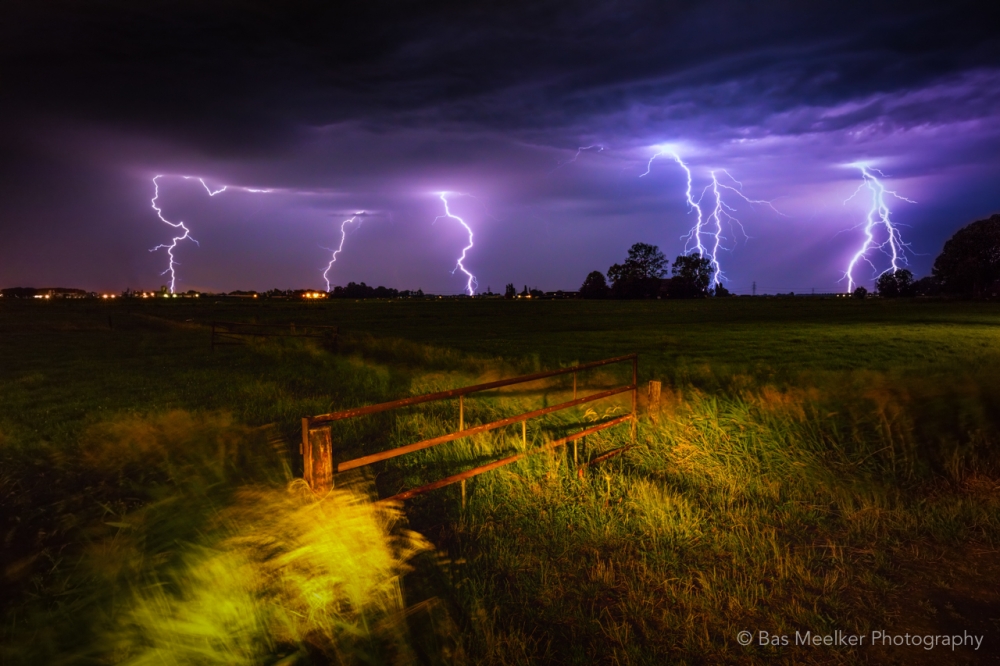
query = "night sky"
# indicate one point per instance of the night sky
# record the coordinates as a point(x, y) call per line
point(380, 106)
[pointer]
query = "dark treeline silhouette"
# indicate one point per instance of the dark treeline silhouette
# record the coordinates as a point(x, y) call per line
point(19, 292)
point(355, 290)
point(643, 275)
point(31, 292)
point(968, 267)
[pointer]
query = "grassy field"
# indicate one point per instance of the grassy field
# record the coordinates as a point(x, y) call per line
point(815, 465)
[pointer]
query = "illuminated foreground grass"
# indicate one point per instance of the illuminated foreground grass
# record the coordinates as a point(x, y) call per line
point(147, 519)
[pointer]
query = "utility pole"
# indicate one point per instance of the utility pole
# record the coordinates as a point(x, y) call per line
point(754, 287)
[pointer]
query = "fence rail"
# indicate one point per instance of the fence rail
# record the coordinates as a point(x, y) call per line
point(317, 445)
point(226, 333)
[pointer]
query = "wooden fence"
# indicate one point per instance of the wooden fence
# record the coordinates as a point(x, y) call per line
point(237, 333)
point(317, 446)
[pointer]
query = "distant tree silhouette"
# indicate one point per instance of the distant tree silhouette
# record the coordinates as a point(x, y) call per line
point(969, 265)
point(510, 291)
point(720, 291)
point(639, 276)
point(692, 273)
point(19, 292)
point(355, 290)
point(647, 261)
point(895, 284)
point(926, 286)
point(860, 292)
point(594, 286)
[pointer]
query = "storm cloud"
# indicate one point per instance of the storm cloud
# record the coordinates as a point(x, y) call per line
point(376, 106)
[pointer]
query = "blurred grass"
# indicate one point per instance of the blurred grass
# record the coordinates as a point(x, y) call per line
point(805, 453)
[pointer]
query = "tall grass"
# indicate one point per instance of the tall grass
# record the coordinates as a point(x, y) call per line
point(764, 509)
point(191, 544)
point(784, 490)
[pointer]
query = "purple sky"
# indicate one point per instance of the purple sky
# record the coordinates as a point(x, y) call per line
point(379, 106)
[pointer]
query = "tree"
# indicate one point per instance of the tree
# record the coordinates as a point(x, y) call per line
point(639, 276)
point(969, 264)
point(510, 291)
point(646, 261)
point(860, 292)
point(895, 284)
point(594, 286)
point(926, 286)
point(692, 273)
point(720, 291)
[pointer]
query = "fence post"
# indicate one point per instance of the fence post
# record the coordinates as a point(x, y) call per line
point(635, 396)
point(574, 386)
point(524, 433)
point(305, 451)
point(461, 414)
point(463, 494)
point(654, 399)
point(317, 458)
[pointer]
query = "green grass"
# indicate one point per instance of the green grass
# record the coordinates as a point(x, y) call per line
point(808, 459)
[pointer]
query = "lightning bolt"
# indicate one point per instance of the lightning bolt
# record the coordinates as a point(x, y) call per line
point(878, 216)
point(693, 238)
point(172, 263)
point(343, 235)
point(471, 283)
point(724, 212)
point(712, 226)
point(208, 189)
point(600, 147)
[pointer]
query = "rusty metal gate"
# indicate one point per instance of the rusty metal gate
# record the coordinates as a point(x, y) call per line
point(317, 445)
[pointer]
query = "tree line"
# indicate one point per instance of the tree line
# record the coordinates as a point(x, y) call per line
point(643, 274)
point(968, 267)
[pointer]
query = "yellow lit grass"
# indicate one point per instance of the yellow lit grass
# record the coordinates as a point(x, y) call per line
point(188, 543)
point(290, 573)
point(777, 509)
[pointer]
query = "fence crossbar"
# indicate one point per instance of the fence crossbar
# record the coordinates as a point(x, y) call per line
point(455, 478)
point(475, 430)
point(453, 393)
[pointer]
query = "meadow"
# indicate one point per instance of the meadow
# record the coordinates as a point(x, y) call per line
point(814, 465)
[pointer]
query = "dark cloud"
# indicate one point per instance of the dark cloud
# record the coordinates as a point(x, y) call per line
point(244, 76)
